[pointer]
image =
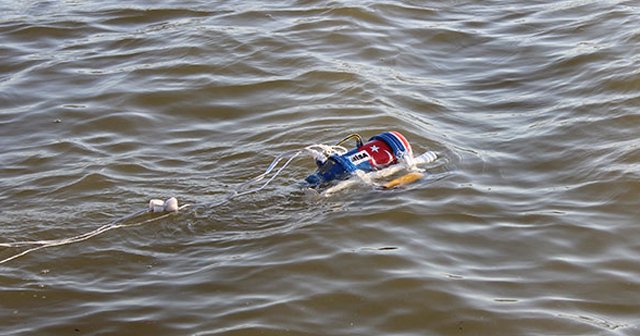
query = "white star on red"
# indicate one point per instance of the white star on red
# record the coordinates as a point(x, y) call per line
point(374, 148)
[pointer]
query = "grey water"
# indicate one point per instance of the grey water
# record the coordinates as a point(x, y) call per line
point(527, 225)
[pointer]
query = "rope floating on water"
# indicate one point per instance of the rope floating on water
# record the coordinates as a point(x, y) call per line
point(75, 239)
point(170, 206)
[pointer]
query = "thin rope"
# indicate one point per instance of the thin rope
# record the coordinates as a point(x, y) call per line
point(41, 244)
point(79, 238)
point(235, 193)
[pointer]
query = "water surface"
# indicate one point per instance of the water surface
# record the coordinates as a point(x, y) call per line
point(526, 226)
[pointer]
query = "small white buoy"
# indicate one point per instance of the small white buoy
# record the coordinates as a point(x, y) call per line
point(156, 205)
point(171, 204)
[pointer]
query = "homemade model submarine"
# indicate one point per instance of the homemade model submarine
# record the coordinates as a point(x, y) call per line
point(380, 153)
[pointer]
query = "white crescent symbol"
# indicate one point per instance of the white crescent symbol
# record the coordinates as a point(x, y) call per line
point(378, 165)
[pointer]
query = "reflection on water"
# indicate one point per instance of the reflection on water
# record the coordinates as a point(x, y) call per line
point(527, 226)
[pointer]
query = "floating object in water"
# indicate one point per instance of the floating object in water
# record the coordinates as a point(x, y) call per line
point(156, 205)
point(382, 155)
point(406, 163)
point(379, 152)
point(170, 205)
point(424, 158)
point(403, 180)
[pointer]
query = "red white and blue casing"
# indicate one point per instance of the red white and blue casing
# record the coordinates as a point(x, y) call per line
point(378, 152)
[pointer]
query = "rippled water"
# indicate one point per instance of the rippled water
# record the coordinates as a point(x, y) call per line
point(526, 226)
